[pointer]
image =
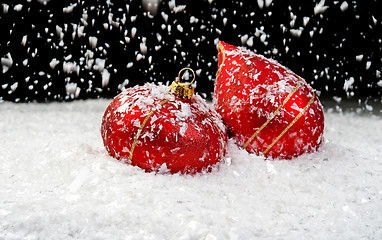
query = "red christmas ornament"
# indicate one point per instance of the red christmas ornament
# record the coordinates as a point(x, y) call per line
point(267, 108)
point(164, 129)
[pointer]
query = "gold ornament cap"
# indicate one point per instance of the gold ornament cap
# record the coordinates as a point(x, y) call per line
point(183, 90)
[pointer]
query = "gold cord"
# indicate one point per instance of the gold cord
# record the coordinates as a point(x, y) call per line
point(143, 125)
point(186, 68)
point(221, 47)
point(291, 124)
point(273, 115)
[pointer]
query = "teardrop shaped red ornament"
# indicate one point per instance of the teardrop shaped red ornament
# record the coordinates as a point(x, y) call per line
point(268, 109)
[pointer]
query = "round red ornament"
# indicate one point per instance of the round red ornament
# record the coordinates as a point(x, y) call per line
point(164, 129)
point(268, 109)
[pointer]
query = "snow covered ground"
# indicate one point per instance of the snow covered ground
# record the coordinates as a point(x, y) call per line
point(57, 182)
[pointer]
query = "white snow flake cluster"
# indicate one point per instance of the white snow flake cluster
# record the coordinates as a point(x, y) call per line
point(91, 67)
point(58, 182)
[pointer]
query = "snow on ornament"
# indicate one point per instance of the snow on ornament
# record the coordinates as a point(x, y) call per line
point(164, 129)
point(268, 109)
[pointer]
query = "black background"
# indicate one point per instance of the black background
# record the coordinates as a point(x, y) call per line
point(325, 54)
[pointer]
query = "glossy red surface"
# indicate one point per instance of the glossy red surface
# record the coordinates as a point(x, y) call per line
point(179, 135)
point(259, 98)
